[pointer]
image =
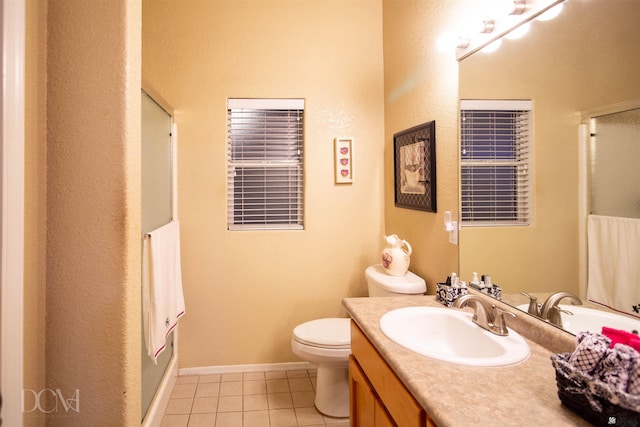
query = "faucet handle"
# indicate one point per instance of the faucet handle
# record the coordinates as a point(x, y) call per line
point(555, 317)
point(499, 325)
point(534, 307)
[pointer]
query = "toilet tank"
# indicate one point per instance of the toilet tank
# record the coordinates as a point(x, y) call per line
point(382, 284)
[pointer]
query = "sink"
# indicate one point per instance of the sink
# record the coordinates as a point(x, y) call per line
point(450, 335)
point(591, 319)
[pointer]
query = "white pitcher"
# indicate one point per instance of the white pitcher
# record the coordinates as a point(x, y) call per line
point(396, 255)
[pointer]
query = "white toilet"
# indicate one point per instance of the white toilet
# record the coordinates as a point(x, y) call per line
point(326, 343)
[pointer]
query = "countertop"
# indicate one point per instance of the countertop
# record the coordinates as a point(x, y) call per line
point(457, 395)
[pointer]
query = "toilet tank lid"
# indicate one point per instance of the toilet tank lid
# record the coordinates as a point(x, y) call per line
point(410, 283)
point(330, 332)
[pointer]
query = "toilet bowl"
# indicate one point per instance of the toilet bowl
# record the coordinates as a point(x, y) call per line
point(326, 343)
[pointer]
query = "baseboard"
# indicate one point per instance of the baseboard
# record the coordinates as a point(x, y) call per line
point(161, 399)
point(226, 369)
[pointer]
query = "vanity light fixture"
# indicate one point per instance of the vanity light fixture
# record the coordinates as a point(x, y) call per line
point(505, 17)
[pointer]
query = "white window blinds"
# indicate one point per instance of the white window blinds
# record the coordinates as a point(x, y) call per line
point(495, 162)
point(265, 164)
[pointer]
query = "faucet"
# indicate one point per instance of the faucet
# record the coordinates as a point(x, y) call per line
point(490, 319)
point(550, 310)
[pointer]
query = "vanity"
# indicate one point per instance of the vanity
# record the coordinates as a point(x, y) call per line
point(391, 385)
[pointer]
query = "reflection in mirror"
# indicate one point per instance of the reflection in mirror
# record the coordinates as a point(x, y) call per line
point(584, 59)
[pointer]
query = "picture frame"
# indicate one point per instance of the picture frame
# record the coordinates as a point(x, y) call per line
point(343, 159)
point(415, 167)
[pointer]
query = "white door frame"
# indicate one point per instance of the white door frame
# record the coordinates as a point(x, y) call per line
point(12, 237)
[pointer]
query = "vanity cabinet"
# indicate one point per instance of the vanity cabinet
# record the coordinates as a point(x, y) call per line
point(377, 396)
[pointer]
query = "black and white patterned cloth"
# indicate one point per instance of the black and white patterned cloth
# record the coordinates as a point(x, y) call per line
point(591, 349)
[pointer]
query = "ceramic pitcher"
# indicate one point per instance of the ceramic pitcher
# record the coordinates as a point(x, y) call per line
point(396, 255)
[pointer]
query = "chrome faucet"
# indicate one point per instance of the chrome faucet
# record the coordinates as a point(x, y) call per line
point(490, 319)
point(550, 310)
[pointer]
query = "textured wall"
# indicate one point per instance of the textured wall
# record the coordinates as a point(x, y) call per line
point(245, 291)
point(421, 85)
point(35, 203)
point(93, 210)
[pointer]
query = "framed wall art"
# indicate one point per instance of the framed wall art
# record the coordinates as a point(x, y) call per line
point(415, 167)
point(343, 157)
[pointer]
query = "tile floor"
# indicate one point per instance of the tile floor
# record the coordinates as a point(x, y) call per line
point(249, 399)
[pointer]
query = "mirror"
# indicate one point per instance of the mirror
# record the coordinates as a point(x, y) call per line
point(584, 59)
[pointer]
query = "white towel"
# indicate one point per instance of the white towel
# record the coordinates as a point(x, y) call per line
point(614, 263)
point(162, 297)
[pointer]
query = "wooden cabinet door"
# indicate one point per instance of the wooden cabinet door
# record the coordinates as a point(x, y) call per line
point(382, 417)
point(362, 400)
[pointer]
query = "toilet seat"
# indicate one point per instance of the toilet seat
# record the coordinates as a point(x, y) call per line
point(334, 333)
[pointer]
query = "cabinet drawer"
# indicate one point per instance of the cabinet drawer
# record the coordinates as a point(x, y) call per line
point(402, 406)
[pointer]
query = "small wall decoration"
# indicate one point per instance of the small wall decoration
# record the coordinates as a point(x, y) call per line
point(343, 156)
point(415, 167)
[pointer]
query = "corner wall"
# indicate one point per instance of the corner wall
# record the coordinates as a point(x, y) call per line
point(421, 84)
point(93, 210)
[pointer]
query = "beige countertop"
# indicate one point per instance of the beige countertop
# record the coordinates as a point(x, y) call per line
point(457, 395)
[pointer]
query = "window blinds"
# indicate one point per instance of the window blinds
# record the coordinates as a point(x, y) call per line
point(496, 162)
point(265, 164)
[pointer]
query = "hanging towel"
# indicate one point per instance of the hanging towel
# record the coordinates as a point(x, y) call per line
point(614, 263)
point(162, 297)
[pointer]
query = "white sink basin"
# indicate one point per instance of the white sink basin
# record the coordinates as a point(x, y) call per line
point(591, 319)
point(448, 334)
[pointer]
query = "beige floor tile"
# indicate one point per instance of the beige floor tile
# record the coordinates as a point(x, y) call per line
point(187, 379)
point(208, 390)
point(300, 373)
point(202, 420)
point(235, 376)
point(308, 416)
point(303, 398)
point(255, 402)
point(275, 375)
point(181, 391)
point(253, 376)
point(174, 421)
point(300, 384)
point(204, 405)
point(229, 404)
point(249, 399)
point(179, 406)
point(283, 418)
point(254, 387)
point(256, 419)
point(231, 388)
point(280, 400)
point(229, 419)
point(209, 378)
point(278, 386)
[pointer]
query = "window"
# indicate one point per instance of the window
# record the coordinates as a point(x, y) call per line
point(495, 161)
point(265, 164)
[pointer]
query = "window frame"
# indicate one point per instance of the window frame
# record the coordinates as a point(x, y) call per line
point(265, 164)
point(507, 159)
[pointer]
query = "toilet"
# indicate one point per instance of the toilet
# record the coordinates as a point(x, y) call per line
point(326, 343)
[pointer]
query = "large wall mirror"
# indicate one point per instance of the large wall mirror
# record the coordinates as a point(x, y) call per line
point(585, 59)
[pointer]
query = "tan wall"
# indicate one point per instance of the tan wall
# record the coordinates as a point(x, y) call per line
point(585, 58)
point(35, 203)
point(420, 86)
point(245, 291)
point(93, 209)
